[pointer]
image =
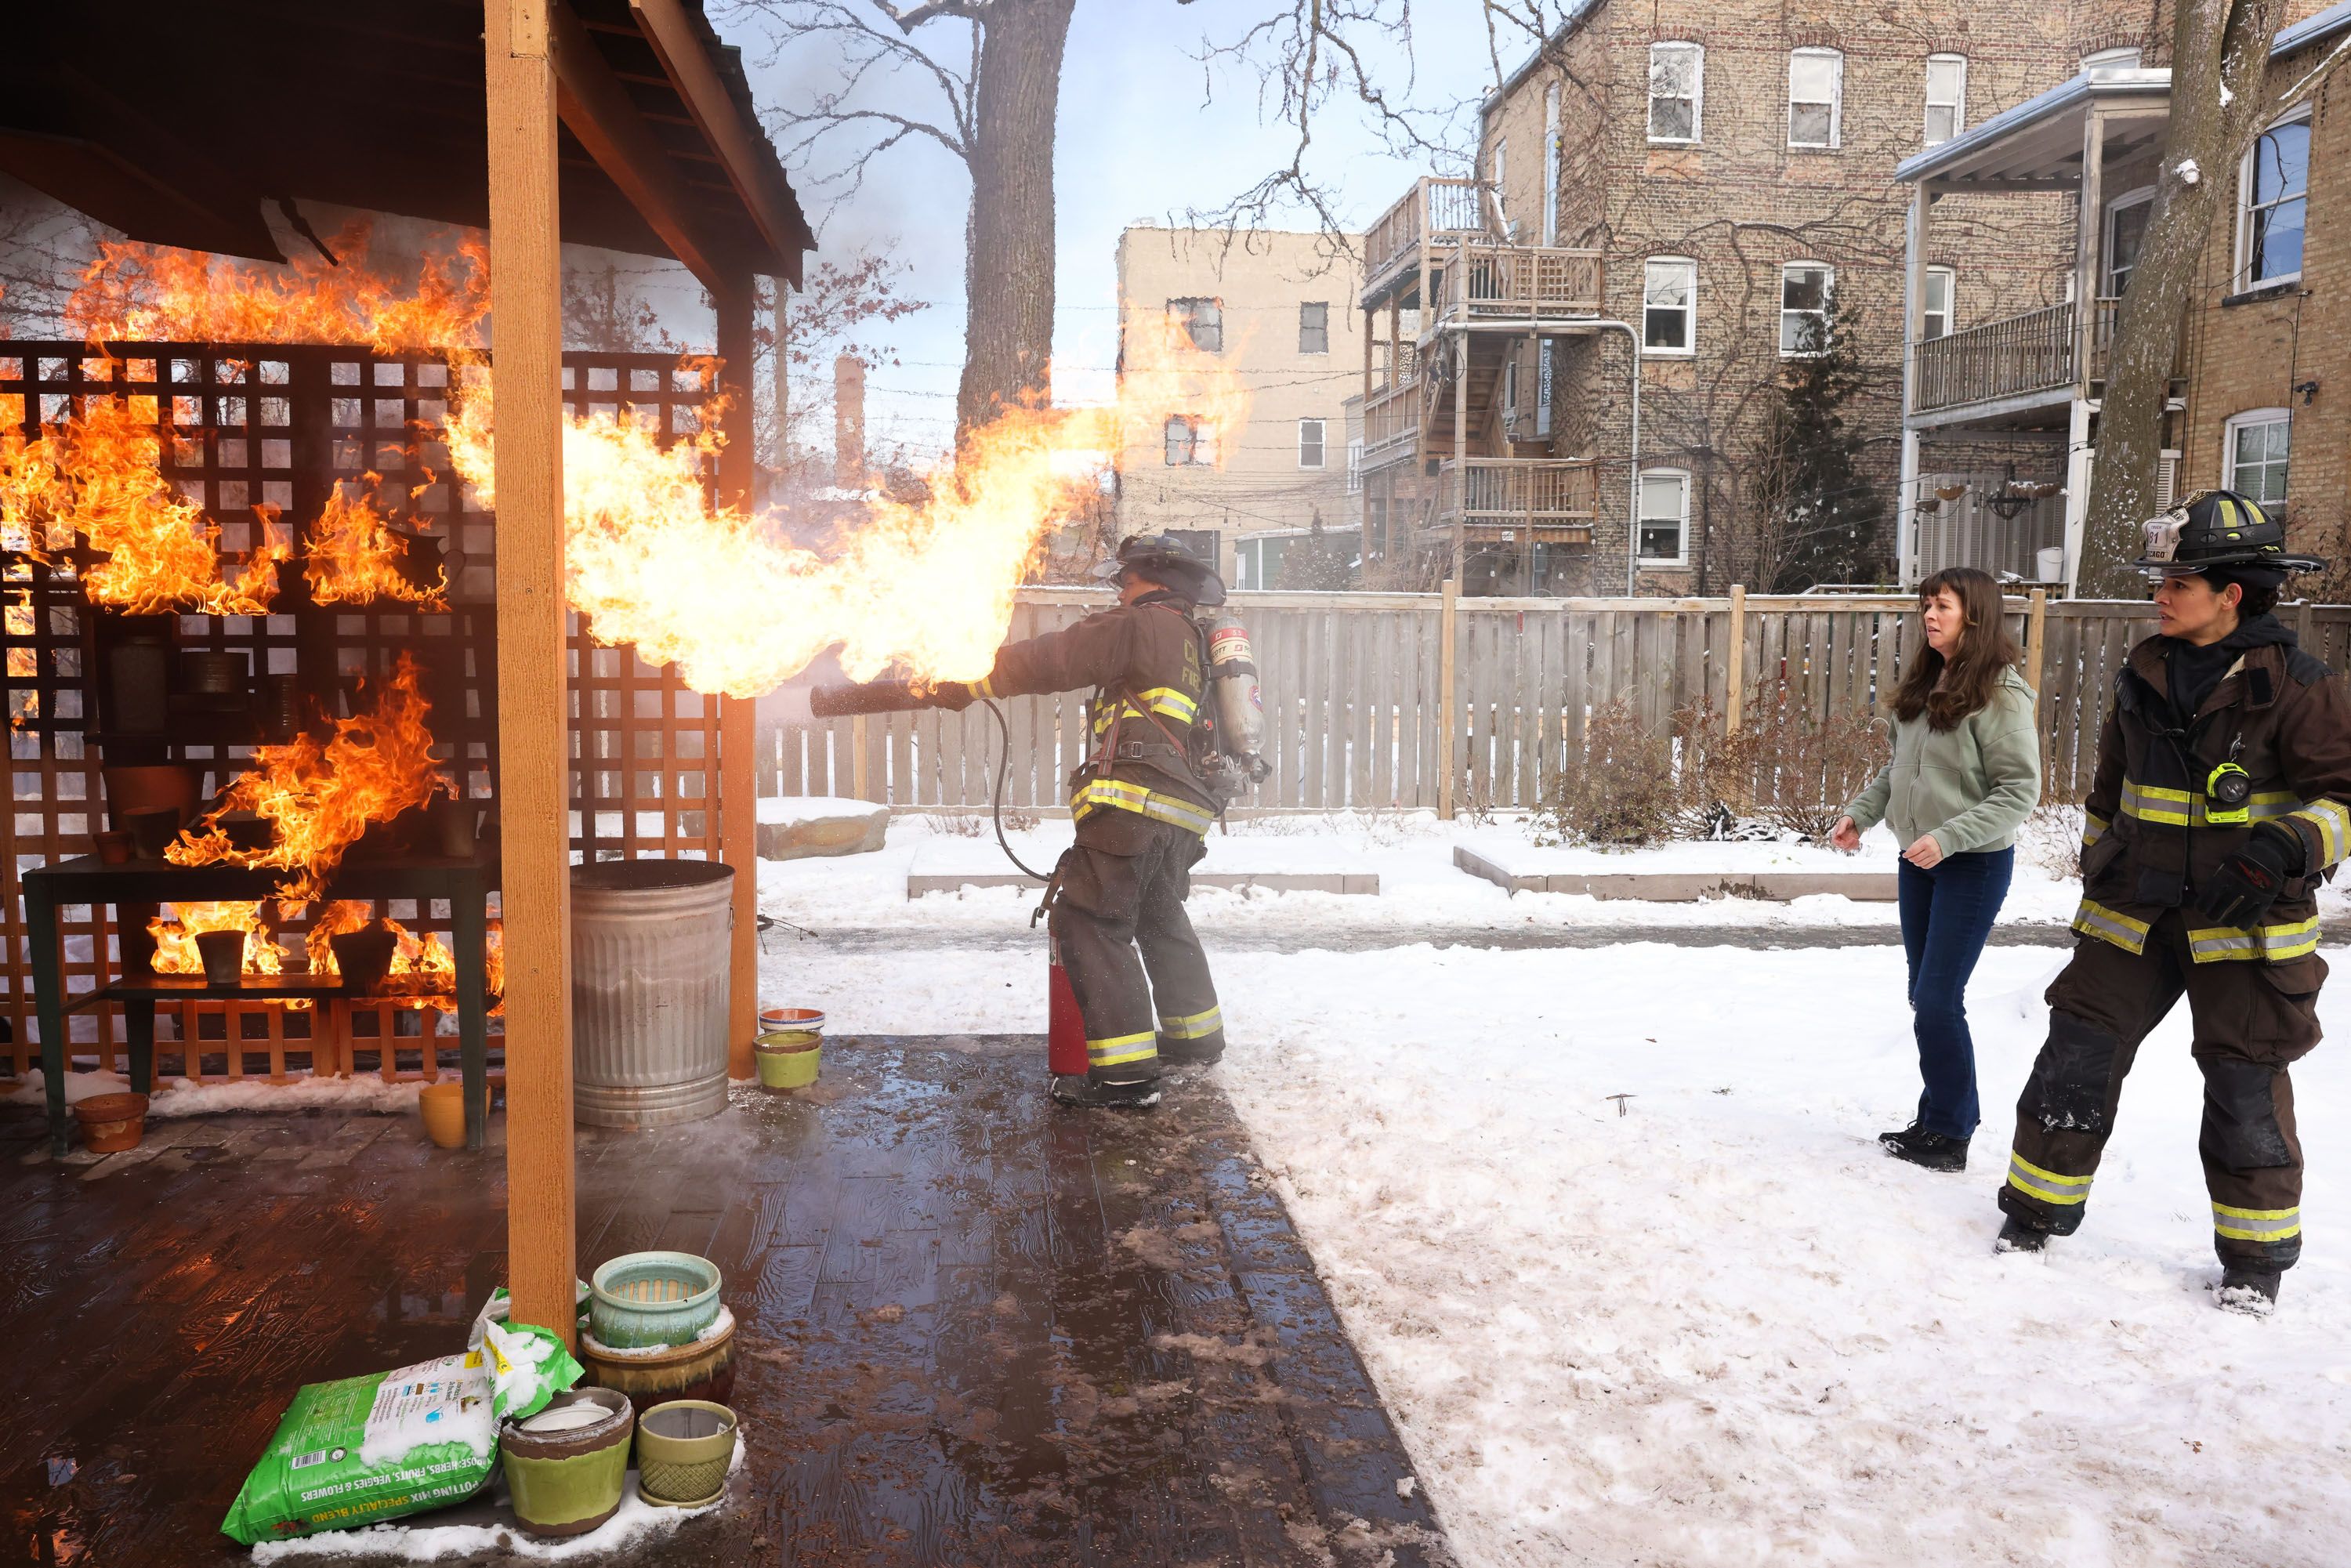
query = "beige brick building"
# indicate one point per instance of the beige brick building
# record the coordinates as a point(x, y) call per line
point(1276, 310)
point(2261, 387)
point(1707, 175)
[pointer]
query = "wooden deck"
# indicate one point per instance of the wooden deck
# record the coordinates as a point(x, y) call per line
point(974, 1328)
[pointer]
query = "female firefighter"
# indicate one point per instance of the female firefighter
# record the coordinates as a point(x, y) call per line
point(2220, 805)
point(1143, 813)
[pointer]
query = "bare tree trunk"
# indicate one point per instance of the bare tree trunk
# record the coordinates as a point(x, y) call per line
point(1008, 262)
point(2220, 59)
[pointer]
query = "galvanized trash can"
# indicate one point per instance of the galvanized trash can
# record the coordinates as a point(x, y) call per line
point(651, 945)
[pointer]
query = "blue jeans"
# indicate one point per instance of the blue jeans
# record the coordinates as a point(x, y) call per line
point(1946, 912)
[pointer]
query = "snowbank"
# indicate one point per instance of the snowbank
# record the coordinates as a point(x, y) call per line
point(182, 1097)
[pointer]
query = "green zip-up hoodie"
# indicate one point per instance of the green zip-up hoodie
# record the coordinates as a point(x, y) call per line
point(1971, 785)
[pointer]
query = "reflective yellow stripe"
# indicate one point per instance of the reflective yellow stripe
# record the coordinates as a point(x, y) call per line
point(1198, 1026)
point(987, 686)
point(1159, 806)
point(1170, 703)
point(2093, 828)
point(2184, 808)
point(2256, 1224)
point(2334, 825)
point(2274, 944)
point(1121, 1048)
point(2047, 1185)
point(2094, 919)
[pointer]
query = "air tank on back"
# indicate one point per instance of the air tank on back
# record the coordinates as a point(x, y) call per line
point(1237, 702)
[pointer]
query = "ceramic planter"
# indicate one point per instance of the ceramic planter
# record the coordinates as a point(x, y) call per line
point(684, 1450)
point(788, 1058)
point(703, 1369)
point(641, 1299)
point(442, 1107)
point(112, 1122)
point(567, 1465)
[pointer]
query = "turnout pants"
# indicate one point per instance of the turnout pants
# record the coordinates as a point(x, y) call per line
point(2251, 1020)
point(1135, 963)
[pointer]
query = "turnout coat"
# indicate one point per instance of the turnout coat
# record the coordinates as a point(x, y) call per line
point(2149, 843)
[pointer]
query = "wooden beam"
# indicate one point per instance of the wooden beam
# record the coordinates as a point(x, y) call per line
point(674, 39)
point(596, 106)
point(527, 297)
point(738, 783)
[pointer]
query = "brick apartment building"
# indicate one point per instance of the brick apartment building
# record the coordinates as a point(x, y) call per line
point(2261, 387)
point(1273, 307)
point(1710, 176)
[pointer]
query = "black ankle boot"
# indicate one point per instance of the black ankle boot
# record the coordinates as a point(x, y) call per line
point(2015, 1236)
point(1078, 1090)
point(2247, 1289)
point(1921, 1147)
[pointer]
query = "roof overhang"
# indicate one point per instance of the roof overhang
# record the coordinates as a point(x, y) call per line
point(176, 123)
point(2037, 145)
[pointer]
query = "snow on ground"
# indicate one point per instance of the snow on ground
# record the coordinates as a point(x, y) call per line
point(1722, 1328)
point(1411, 850)
point(184, 1097)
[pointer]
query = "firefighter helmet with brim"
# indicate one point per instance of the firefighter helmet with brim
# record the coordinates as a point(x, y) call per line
point(1169, 561)
point(2218, 528)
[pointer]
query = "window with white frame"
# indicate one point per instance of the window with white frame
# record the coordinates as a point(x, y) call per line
point(2254, 458)
point(1314, 327)
point(2273, 192)
point(1497, 170)
point(1677, 92)
point(1310, 444)
point(1935, 309)
point(2126, 233)
point(1187, 440)
point(1551, 166)
point(1815, 97)
point(1805, 287)
point(1947, 97)
point(1201, 321)
point(1669, 305)
point(1665, 516)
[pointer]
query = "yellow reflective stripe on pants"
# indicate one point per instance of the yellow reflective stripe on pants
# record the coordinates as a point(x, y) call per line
point(2272, 944)
point(2093, 828)
point(2256, 1224)
point(2334, 825)
point(1120, 1049)
point(2092, 919)
point(1198, 1026)
point(1097, 793)
point(2046, 1186)
point(1170, 703)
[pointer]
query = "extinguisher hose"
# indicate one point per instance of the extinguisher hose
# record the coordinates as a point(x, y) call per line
point(996, 800)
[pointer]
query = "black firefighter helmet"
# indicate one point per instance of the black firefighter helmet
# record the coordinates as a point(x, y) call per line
point(1169, 561)
point(2225, 534)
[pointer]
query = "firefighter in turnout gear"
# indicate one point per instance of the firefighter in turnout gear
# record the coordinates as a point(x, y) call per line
point(2222, 800)
point(1142, 811)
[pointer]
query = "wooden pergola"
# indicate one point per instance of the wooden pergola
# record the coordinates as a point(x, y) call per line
point(621, 123)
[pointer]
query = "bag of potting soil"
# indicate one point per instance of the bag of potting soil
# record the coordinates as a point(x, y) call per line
point(362, 1450)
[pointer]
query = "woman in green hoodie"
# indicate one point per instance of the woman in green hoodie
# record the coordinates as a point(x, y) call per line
point(1965, 775)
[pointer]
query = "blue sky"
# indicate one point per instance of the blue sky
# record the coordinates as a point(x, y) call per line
point(1147, 132)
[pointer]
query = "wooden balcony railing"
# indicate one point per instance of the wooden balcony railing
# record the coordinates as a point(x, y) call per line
point(1483, 281)
point(1391, 422)
point(2007, 358)
point(1557, 497)
point(1434, 210)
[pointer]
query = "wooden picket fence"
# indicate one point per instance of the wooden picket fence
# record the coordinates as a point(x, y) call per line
point(1428, 700)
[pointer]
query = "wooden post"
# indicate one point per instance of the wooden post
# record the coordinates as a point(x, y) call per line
point(860, 781)
point(1448, 701)
point(1461, 454)
point(2036, 641)
point(739, 784)
point(1734, 664)
point(1369, 318)
point(526, 296)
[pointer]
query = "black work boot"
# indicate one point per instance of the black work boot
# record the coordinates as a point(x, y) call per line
point(1192, 1052)
point(2249, 1288)
point(2015, 1236)
point(1076, 1089)
point(1921, 1147)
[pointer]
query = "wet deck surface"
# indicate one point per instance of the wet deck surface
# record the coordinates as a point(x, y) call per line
point(972, 1328)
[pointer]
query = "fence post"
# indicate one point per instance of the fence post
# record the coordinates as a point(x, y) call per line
point(1735, 665)
point(2036, 641)
point(860, 785)
point(1449, 705)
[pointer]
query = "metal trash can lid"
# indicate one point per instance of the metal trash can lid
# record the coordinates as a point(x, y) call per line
point(647, 875)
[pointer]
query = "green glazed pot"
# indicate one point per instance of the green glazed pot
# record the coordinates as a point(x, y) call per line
point(641, 1299)
point(684, 1450)
point(788, 1058)
point(565, 1480)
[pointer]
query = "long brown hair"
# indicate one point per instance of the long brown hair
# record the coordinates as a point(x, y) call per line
point(1985, 650)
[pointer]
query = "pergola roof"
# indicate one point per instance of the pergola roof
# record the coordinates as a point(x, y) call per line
point(176, 122)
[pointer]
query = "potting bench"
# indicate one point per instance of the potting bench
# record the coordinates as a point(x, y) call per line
point(465, 885)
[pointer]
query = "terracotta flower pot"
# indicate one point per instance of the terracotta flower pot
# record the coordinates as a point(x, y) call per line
point(224, 956)
point(169, 784)
point(151, 829)
point(112, 1122)
point(364, 955)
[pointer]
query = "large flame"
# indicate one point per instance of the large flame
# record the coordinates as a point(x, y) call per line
point(101, 476)
point(320, 797)
point(423, 969)
point(353, 557)
point(925, 587)
point(175, 937)
point(143, 293)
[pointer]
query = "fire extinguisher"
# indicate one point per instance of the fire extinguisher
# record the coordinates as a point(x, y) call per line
point(1065, 1027)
